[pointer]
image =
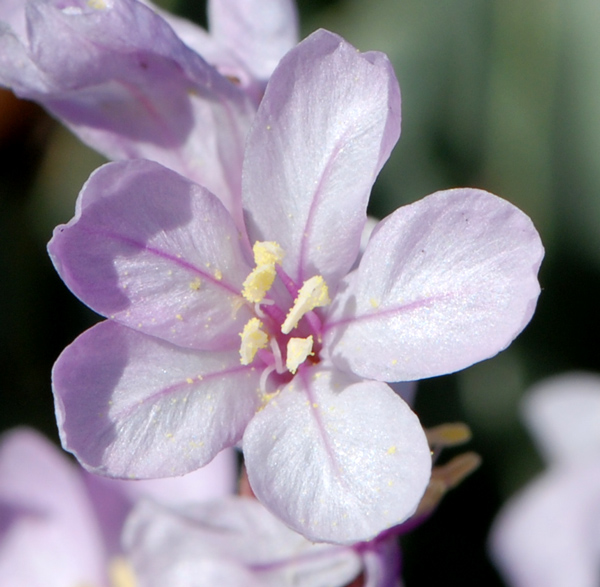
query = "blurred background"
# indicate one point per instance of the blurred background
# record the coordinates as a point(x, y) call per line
point(497, 94)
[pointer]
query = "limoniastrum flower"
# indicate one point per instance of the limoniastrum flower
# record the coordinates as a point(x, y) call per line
point(268, 337)
point(547, 534)
point(61, 526)
point(134, 82)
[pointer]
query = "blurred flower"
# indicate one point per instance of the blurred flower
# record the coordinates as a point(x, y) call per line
point(119, 76)
point(165, 384)
point(60, 526)
point(548, 534)
point(237, 542)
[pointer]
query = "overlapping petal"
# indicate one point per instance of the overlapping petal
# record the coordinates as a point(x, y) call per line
point(116, 73)
point(444, 283)
point(327, 123)
point(351, 451)
point(258, 32)
point(157, 253)
point(130, 405)
point(235, 538)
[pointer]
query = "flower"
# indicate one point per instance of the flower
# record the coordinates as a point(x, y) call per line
point(236, 542)
point(547, 534)
point(127, 80)
point(281, 345)
point(61, 526)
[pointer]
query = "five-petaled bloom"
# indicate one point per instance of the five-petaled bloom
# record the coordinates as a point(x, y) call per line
point(269, 337)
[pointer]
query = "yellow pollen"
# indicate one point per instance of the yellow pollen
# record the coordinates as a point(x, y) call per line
point(266, 255)
point(298, 349)
point(258, 283)
point(97, 4)
point(121, 573)
point(253, 338)
point(313, 294)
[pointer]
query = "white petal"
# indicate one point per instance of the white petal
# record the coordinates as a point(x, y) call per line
point(338, 459)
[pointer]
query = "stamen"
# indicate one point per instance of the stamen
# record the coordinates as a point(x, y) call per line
point(258, 283)
point(263, 379)
point(277, 356)
point(298, 349)
point(448, 435)
point(253, 338)
point(267, 253)
point(312, 294)
point(258, 310)
point(444, 478)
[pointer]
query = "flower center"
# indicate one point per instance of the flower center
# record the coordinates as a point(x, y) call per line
point(275, 323)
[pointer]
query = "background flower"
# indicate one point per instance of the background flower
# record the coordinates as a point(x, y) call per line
point(547, 535)
point(61, 526)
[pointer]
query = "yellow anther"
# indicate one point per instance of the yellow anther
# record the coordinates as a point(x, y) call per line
point(267, 253)
point(120, 573)
point(313, 294)
point(258, 283)
point(448, 435)
point(298, 349)
point(253, 339)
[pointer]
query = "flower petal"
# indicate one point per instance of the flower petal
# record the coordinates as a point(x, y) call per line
point(116, 73)
point(327, 123)
point(114, 498)
point(129, 405)
point(563, 413)
point(444, 283)
point(548, 534)
point(157, 253)
point(338, 459)
point(258, 32)
point(49, 536)
point(234, 533)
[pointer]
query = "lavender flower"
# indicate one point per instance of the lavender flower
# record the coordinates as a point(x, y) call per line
point(129, 82)
point(282, 346)
point(547, 535)
point(237, 542)
point(61, 526)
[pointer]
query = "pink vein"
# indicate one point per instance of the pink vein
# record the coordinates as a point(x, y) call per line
point(379, 314)
point(314, 206)
point(163, 255)
point(175, 387)
point(319, 423)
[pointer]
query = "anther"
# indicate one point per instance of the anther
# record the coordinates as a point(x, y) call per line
point(298, 350)
point(253, 339)
point(313, 294)
point(259, 282)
